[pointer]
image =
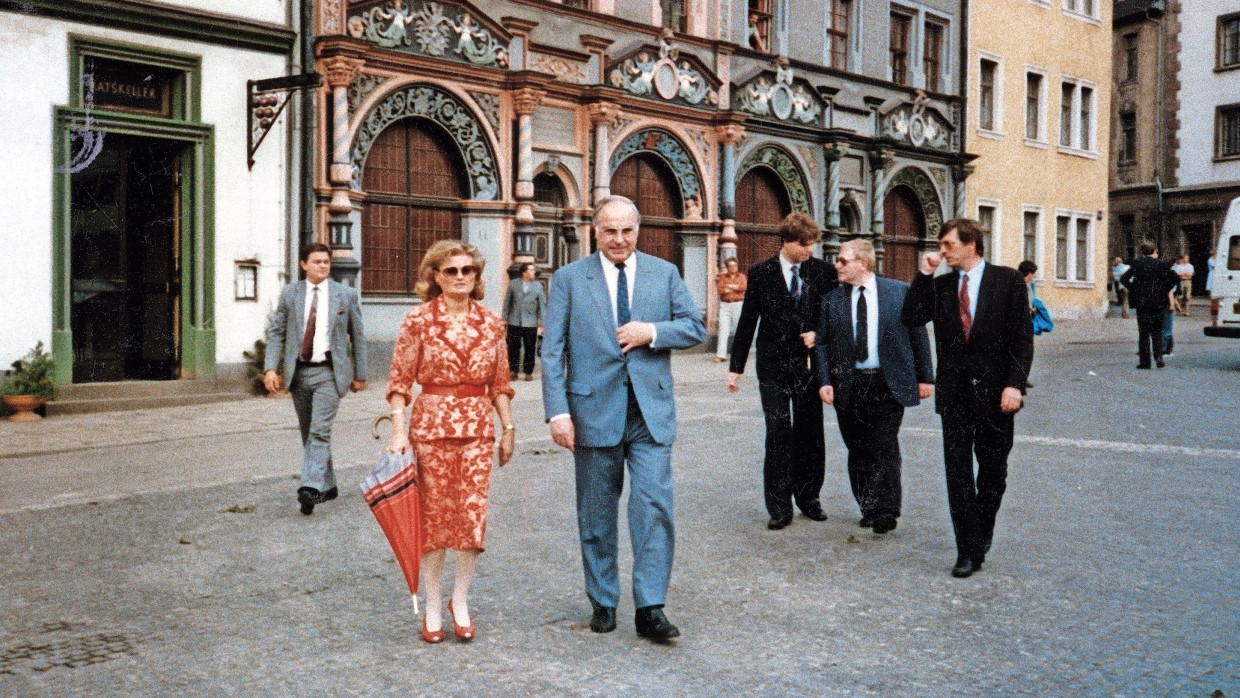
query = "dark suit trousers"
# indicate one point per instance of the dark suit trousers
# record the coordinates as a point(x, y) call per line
point(794, 467)
point(1149, 334)
point(870, 426)
point(974, 503)
point(521, 338)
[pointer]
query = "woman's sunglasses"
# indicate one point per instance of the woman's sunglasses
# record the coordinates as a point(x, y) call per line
point(467, 270)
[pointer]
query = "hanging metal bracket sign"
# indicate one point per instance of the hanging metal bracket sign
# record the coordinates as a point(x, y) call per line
point(266, 99)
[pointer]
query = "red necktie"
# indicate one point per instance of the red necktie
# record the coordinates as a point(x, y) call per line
point(966, 318)
point(307, 340)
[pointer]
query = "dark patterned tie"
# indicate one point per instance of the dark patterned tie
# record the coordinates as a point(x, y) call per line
point(862, 347)
point(622, 297)
point(795, 286)
point(307, 340)
point(966, 317)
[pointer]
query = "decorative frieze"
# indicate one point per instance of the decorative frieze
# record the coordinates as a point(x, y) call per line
point(435, 29)
point(668, 77)
point(563, 70)
point(361, 87)
point(918, 124)
point(489, 104)
point(782, 96)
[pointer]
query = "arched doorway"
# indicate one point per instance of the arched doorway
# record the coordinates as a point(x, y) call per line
point(413, 186)
point(904, 227)
point(761, 204)
point(650, 183)
point(555, 237)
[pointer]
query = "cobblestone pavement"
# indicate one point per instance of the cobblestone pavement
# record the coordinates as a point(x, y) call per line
point(161, 553)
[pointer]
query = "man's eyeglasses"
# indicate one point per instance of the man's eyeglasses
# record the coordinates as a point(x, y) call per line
point(844, 261)
point(467, 270)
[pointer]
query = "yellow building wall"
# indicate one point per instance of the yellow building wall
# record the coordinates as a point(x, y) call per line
point(1023, 35)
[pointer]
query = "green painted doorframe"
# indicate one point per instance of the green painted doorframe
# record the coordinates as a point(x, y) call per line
point(197, 233)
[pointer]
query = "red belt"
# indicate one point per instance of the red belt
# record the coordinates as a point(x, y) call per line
point(465, 390)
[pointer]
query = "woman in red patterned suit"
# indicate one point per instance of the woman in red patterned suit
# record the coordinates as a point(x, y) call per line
point(455, 349)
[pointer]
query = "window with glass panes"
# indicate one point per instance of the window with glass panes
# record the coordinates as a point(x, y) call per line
point(1128, 136)
point(1066, 92)
point(1082, 249)
point(1130, 56)
point(761, 12)
point(986, 218)
point(899, 44)
point(1063, 225)
point(1229, 41)
point(1086, 136)
point(986, 90)
point(932, 55)
point(673, 15)
point(1029, 238)
point(1229, 131)
point(840, 15)
point(1033, 106)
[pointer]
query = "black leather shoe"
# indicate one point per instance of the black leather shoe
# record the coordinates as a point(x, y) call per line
point(1159, 363)
point(884, 523)
point(965, 566)
point(652, 624)
point(778, 522)
point(604, 619)
point(307, 497)
point(814, 512)
point(866, 522)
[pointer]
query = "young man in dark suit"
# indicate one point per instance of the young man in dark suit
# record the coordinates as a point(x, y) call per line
point(984, 342)
point(782, 302)
point(1149, 281)
point(870, 367)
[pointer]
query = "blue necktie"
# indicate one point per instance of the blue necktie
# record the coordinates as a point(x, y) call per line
point(622, 297)
point(796, 286)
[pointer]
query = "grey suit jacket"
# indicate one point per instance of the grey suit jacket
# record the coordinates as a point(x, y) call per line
point(524, 308)
point(584, 372)
point(903, 351)
point(345, 338)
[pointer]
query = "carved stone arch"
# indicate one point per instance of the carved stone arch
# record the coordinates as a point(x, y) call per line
point(922, 185)
point(785, 166)
point(571, 190)
point(668, 148)
point(450, 113)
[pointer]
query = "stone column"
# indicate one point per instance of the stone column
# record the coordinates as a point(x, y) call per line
point(959, 174)
point(602, 116)
point(880, 160)
point(728, 135)
point(524, 102)
point(339, 72)
point(833, 153)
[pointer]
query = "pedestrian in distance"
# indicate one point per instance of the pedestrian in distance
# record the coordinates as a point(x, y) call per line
point(730, 285)
point(524, 308)
point(781, 304)
point(613, 320)
point(1184, 270)
point(871, 367)
point(316, 336)
point(984, 341)
point(1168, 332)
point(1149, 281)
point(1118, 267)
point(452, 347)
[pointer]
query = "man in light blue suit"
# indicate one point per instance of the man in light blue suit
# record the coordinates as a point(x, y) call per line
point(612, 320)
point(317, 332)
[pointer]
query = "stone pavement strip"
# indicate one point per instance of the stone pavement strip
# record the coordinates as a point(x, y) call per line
point(161, 553)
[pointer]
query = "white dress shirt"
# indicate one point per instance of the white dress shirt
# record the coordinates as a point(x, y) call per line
point(786, 267)
point(870, 288)
point(322, 318)
point(975, 283)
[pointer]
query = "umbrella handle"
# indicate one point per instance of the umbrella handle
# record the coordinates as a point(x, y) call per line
point(374, 427)
point(415, 604)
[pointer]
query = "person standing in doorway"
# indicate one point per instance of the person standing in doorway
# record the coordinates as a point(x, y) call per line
point(524, 308)
point(317, 333)
point(782, 304)
point(731, 285)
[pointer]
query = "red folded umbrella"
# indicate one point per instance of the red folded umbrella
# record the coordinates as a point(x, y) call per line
point(391, 491)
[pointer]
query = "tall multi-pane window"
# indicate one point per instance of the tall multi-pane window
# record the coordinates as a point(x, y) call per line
point(1128, 136)
point(1029, 238)
point(1082, 249)
point(673, 15)
point(1130, 56)
point(1087, 119)
point(932, 55)
point(1033, 106)
point(986, 218)
point(1229, 41)
point(1065, 113)
point(841, 11)
point(1062, 225)
point(986, 90)
point(899, 45)
point(1228, 131)
point(760, 15)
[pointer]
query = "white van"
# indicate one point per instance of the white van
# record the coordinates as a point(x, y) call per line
point(1225, 290)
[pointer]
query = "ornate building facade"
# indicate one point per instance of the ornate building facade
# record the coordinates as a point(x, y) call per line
point(501, 123)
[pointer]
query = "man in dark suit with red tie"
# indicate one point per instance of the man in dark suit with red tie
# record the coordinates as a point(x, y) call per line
point(781, 304)
point(984, 342)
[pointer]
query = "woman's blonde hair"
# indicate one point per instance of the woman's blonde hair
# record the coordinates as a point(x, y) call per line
point(427, 288)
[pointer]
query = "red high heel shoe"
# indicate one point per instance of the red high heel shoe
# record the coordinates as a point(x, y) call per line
point(462, 633)
point(431, 636)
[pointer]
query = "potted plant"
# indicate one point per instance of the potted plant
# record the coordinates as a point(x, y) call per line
point(28, 385)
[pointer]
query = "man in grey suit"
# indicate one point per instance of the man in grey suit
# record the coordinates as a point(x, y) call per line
point(524, 307)
point(612, 320)
point(870, 367)
point(317, 332)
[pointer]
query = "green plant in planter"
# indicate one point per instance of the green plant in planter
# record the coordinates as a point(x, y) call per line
point(31, 375)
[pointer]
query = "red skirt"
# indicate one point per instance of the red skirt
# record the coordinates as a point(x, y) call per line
point(454, 478)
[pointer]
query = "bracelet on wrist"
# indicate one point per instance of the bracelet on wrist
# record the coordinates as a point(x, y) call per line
point(510, 427)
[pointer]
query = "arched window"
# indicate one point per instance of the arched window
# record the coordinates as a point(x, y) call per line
point(761, 204)
point(413, 191)
point(649, 182)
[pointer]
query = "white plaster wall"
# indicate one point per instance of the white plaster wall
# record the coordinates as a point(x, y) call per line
point(270, 11)
point(250, 208)
point(1201, 90)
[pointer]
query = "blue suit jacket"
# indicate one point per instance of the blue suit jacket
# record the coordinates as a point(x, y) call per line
point(903, 351)
point(345, 338)
point(584, 372)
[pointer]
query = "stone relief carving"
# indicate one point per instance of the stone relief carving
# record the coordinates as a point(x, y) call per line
point(489, 104)
point(673, 153)
point(787, 170)
point(618, 125)
point(918, 124)
point(329, 17)
point(449, 112)
point(807, 154)
point(433, 29)
point(699, 137)
point(361, 87)
point(563, 70)
point(664, 77)
point(783, 98)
